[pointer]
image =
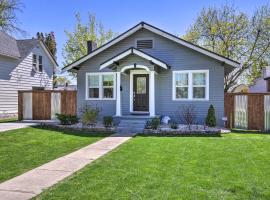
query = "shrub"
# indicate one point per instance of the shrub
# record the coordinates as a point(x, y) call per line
point(67, 119)
point(155, 122)
point(211, 117)
point(174, 125)
point(187, 114)
point(89, 115)
point(107, 121)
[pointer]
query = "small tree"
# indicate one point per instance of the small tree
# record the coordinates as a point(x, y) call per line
point(187, 114)
point(211, 117)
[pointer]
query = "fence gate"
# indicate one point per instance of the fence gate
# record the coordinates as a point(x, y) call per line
point(248, 110)
point(267, 112)
point(43, 105)
point(241, 112)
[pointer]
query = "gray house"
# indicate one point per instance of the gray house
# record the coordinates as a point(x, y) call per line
point(151, 72)
point(261, 84)
point(24, 65)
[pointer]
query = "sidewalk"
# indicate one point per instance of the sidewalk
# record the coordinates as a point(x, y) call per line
point(32, 183)
point(15, 125)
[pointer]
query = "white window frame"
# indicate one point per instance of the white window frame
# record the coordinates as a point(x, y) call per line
point(190, 85)
point(100, 74)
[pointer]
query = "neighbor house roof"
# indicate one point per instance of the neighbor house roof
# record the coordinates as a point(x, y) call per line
point(19, 49)
point(133, 51)
point(8, 46)
point(160, 32)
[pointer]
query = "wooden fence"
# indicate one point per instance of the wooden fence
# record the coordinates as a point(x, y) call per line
point(44, 104)
point(248, 110)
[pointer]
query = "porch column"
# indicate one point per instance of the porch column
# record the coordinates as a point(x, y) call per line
point(118, 94)
point(152, 94)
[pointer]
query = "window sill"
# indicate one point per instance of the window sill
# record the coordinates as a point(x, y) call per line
point(100, 99)
point(190, 99)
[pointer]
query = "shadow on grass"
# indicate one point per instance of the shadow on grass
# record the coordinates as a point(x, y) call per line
point(243, 131)
point(180, 135)
point(69, 131)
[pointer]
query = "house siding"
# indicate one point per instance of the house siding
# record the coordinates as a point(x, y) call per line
point(16, 76)
point(175, 55)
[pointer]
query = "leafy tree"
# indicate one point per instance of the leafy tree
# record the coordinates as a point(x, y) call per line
point(61, 80)
point(76, 44)
point(8, 17)
point(237, 36)
point(211, 117)
point(50, 41)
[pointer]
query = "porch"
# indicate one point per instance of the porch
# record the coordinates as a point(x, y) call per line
point(135, 82)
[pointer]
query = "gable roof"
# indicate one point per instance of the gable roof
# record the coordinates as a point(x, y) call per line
point(158, 32)
point(19, 49)
point(133, 51)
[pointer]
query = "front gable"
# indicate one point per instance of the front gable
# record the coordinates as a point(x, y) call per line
point(162, 41)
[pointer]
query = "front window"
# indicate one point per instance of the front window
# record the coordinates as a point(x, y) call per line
point(107, 83)
point(190, 85)
point(34, 61)
point(40, 67)
point(100, 85)
point(199, 85)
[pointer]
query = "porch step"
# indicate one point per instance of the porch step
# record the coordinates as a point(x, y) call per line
point(127, 126)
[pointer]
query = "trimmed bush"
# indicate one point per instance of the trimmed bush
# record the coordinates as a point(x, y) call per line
point(155, 122)
point(67, 119)
point(108, 121)
point(89, 115)
point(211, 117)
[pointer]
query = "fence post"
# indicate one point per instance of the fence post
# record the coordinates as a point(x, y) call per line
point(20, 105)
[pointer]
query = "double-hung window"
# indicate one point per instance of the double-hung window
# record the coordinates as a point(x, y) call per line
point(100, 85)
point(191, 85)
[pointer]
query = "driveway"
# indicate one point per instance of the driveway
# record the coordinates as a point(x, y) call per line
point(15, 125)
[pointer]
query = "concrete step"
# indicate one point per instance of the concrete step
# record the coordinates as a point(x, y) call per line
point(134, 125)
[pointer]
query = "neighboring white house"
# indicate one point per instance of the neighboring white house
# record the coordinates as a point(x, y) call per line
point(24, 65)
point(261, 84)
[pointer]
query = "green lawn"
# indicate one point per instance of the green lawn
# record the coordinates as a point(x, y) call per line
point(11, 119)
point(234, 166)
point(27, 148)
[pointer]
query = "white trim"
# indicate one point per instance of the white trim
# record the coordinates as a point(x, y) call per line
point(159, 32)
point(136, 52)
point(48, 54)
point(152, 104)
point(133, 67)
point(131, 87)
point(100, 85)
point(190, 85)
point(118, 94)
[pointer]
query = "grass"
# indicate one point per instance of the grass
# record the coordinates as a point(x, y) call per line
point(10, 119)
point(27, 148)
point(234, 166)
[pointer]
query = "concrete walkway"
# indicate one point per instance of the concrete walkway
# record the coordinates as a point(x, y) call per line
point(15, 125)
point(32, 183)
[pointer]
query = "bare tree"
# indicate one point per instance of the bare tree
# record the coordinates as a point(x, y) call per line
point(8, 17)
point(187, 114)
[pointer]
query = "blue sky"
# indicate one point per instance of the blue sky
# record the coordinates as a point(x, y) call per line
point(119, 15)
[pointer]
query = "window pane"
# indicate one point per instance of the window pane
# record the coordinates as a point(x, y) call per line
point(108, 80)
point(93, 81)
point(182, 92)
point(141, 85)
point(93, 92)
point(199, 92)
point(199, 79)
point(108, 93)
point(181, 79)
